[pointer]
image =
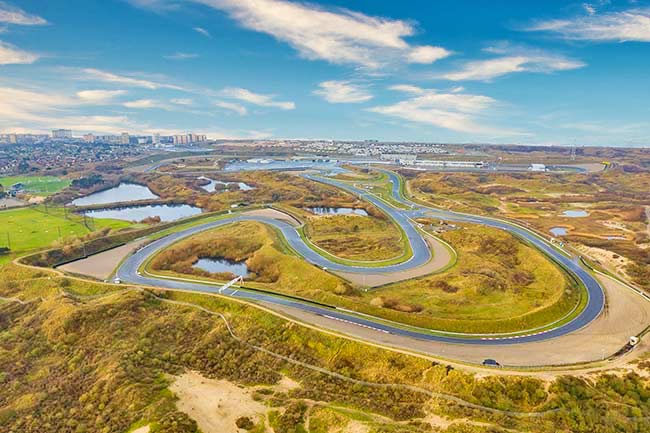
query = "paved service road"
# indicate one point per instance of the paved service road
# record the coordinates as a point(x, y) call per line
point(128, 271)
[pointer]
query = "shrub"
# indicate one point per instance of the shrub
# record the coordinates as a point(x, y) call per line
point(245, 423)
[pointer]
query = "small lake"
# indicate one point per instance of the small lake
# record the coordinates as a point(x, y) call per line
point(124, 192)
point(217, 266)
point(558, 231)
point(212, 186)
point(337, 211)
point(166, 212)
point(575, 213)
point(616, 238)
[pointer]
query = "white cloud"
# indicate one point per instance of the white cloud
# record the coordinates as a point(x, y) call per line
point(100, 96)
point(202, 31)
point(44, 110)
point(182, 101)
point(622, 26)
point(13, 15)
point(142, 104)
point(513, 59)
point(181, 56)
point(11, 55)
point(453, 111)
point(589, 8)
point(338, 92)
point(109, 77)
point(427, 54)
point(256, 98)
point(338, 36)
point(232, 106)
point(407, 88)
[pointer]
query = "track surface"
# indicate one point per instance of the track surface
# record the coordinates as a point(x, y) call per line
point(128, 271)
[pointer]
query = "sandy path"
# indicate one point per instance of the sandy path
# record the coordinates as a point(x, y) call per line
point(101, 265)
point(441, 258)
point(275, 214)
point(627, 313)
point(215, 405)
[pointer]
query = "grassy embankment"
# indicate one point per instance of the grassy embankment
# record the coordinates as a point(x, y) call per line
point(37, 227)
point(499, 284)
point(86, 362)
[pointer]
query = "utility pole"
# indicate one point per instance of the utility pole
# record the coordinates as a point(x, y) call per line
point(573, 151)
point(59, 229)
point(8, 241)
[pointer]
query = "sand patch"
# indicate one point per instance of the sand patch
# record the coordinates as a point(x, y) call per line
point(275, 214)
point(143, 429)
point(356, 427)
point(102, 265)
point(215, 405)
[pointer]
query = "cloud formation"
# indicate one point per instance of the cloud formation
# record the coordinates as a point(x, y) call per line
point(44, 110)
point(232, 106)
point(202, 31)
point(256, 98)
point(99, 96)
point(109, 77)
point(513, 60)
point(338, 36)
point(13, 15)
point(339, 92)
point(181, 56)
point(427, 54)
point(11, 55)
point(142, 104)
point(454, 111)
point(621, 26)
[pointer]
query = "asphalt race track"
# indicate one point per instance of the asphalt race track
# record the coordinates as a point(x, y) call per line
point(128, 271)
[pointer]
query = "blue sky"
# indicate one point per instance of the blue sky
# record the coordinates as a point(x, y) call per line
point(546, 72)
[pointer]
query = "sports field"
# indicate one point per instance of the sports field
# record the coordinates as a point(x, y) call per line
point(29, 228)
point(38, 185)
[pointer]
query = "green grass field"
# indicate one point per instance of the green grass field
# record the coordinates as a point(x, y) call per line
point(30, 228)
point(39, 185)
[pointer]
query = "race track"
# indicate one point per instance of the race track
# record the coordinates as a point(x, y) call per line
point(129, 270)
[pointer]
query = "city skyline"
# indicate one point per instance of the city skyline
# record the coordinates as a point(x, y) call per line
point(551, 73)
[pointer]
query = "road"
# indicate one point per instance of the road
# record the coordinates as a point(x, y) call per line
point(128, 271)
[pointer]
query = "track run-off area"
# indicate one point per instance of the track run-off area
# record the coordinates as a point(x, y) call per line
point(133, 270)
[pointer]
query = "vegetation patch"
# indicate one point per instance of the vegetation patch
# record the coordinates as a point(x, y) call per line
point(356, 237)
point(271, 263)
point(499, 284)
point(103, 364)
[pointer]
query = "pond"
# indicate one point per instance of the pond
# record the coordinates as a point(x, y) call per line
point(559, 231)
point(616, 238)
point(217, 266)
point(212, 186)
point(337, 211)
point(124, 192)
point(575, 213)
point(166, 212)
